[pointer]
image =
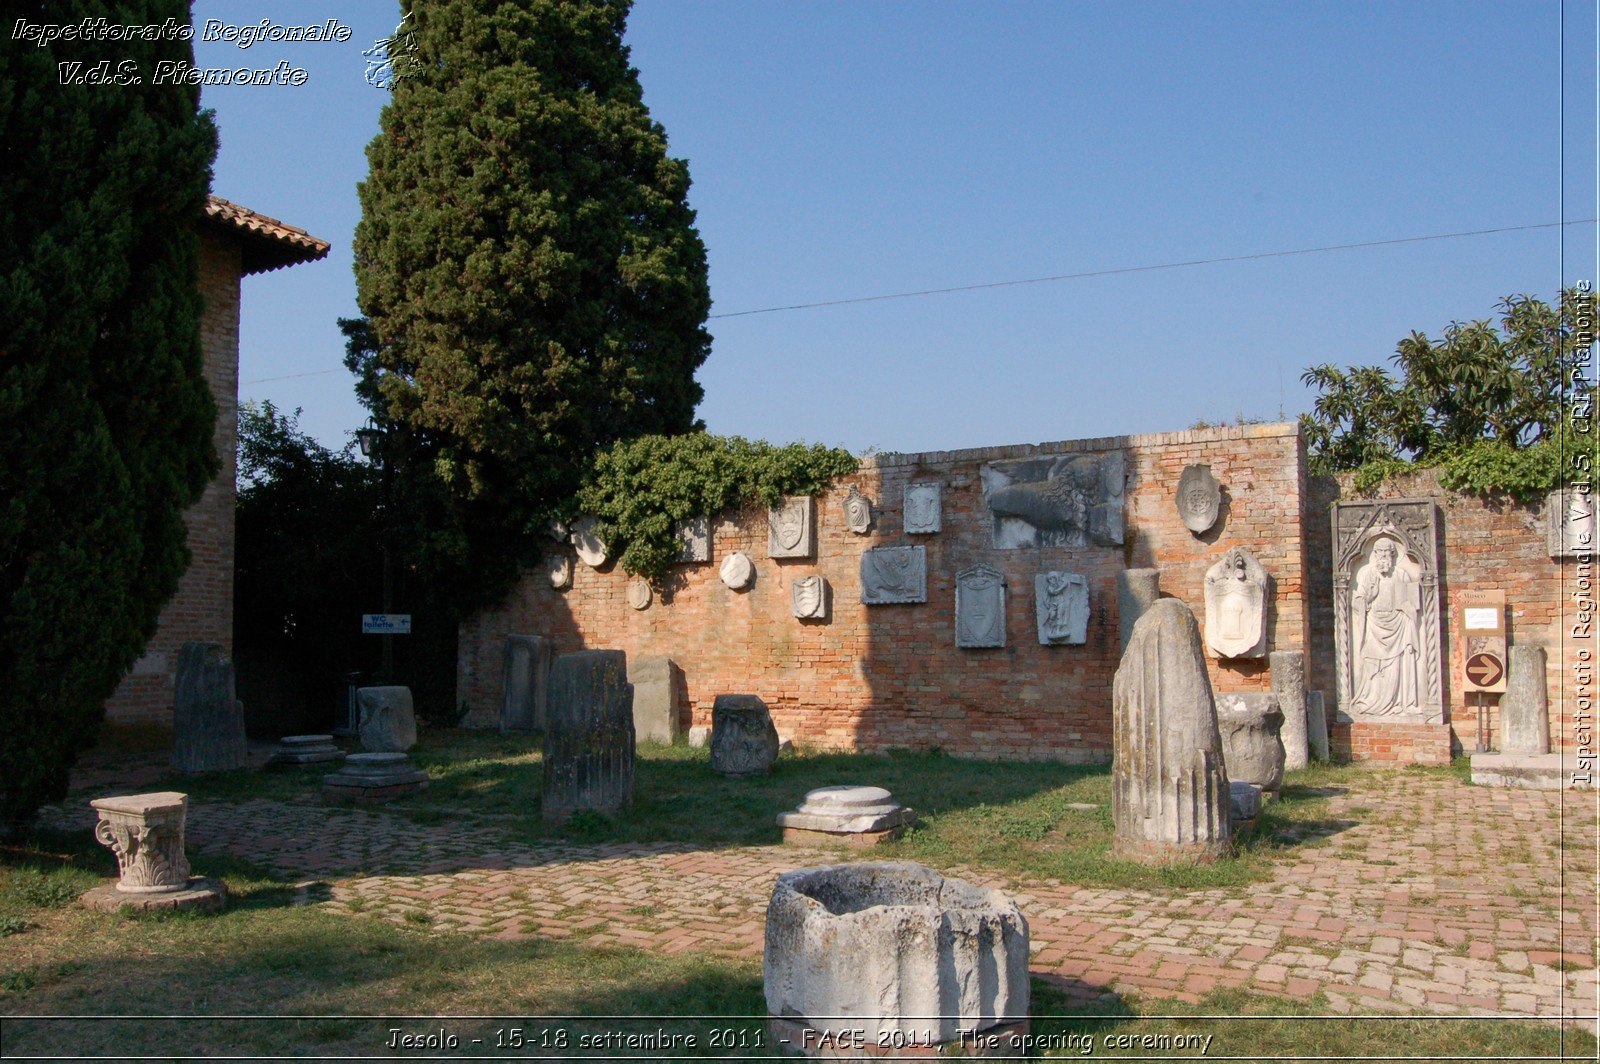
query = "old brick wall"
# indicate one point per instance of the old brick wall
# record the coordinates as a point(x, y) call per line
point(891, 676)
point(1483, 544)
point(202, 608)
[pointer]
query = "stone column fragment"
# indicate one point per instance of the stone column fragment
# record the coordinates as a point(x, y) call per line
point(207, 720)
point(1289, 684)
point(1137, 590)
point(589, 737)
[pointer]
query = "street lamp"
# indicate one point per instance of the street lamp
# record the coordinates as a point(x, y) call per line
point(372, 441)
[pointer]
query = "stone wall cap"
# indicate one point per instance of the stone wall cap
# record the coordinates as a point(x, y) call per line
point(140, 804)
point(891, 459)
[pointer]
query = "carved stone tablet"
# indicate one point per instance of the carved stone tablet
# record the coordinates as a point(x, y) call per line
point(1386, 611)
point(894, 574)
point(588, 738)
point(207, 719)
point(980, 607)
point(1061, 601)
point(1236, 606)
point(639, 594)
point(1065, 501)
point(809, 597)
point(695, 535)
point(591, 548)
point(924, 506)
point(559, 568)
point(737, 570)
point(857, 512)
point(657, 699)
point(526, 682)
point(1199, 498)
point(1570, 520)
point(792, 528)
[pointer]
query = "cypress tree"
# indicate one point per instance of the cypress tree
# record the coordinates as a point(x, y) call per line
point(105, 418)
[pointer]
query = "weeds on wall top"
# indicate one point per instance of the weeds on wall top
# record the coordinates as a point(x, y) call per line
point(642, 488)
point(1486, 467)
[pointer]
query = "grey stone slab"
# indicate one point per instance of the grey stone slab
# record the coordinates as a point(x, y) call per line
point(847, 810)
point(589, 738)
point(744, 741)
point(304, 750)
point(738, 572)
point(1289, 684)
point(657, 699)
point(376, 770)
point(1317, 725)
point(388, 719)
point(924, 507)
point(1544, 772)
point(1251, 725)
point(207, 717)
point(894, 575)
point(526, 676)
point(980, 607)
point(1237, 592)
point(1061, 608)
point(1525, 707)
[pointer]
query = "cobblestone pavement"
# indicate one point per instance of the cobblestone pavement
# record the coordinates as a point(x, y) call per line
point(1455, 899)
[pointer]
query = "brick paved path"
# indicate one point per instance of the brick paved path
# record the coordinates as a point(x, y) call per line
point(1450, 901)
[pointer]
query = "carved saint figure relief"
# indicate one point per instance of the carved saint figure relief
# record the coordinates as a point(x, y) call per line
point(923, 504)
point(1236, 606)
point(1199, 498)
point(857, 511)
point(809, 597)
point(980, 607)
point(1384, 605)
point(894, 574)
point(1062, 603)
point(790, 528)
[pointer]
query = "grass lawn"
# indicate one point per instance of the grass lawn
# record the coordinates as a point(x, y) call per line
point(267, 957)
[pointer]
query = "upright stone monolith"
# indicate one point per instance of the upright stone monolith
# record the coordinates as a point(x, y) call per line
point(1525, 708)
point(527, 683)
point(657, 702)
point(588, 735)
point(1170, 797)
point(744, 741)
point(1317, 725)
point(1289, 684)
point(207, 720)
point(1137, 591)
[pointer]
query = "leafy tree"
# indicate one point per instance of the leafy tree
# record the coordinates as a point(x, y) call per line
point(533, 285)
point(106, 422)
point(1507, 389)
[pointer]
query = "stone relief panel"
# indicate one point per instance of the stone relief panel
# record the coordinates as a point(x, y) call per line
point(1061, 602)
point(590, 547)
point(1063, 501)
point(695, 536)
point(792, 527)
point(1570, 523)
point(809, 597)
point(639, 593)
point(1236, 606)
point(894, 574)
point(1386, 611)
point(558, 567)
point(738, 571)
point(1199, 498)
point(980, 607)
point(857, 512)
point(924, 507)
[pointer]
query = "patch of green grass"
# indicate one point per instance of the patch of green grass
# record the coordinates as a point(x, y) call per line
point(13, 925)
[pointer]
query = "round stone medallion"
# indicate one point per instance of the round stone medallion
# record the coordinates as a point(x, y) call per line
point(639, 594)
point(738, 571)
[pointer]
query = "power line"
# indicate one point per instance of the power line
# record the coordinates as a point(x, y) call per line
point(1158, 266)
point(1086, 274)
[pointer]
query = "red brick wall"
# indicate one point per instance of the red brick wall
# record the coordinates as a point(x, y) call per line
point(1483, 544)
point(202, 609)
point(891, 676)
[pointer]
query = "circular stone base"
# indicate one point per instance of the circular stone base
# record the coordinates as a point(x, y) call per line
point(202, 895)
point(1163, 853)
point(793, 1037)
point(346, 794)
point(856, 840)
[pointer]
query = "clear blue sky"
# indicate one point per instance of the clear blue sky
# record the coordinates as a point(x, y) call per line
point(848, 149)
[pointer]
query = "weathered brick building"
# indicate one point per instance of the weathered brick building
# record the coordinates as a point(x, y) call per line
point(234, 242)
point(872, 677)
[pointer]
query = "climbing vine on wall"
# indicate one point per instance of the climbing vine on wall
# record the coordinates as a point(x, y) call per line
point(641, 488)
point(1489, 467)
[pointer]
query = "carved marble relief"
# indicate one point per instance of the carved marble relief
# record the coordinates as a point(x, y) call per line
point(639, 593)
point(559, 568)
point(1064, 501)
point(1061, 602)
point(980, 607)
point(1199, 498)
point(1570, 523)
point(1386, 611)
point(924, 507)
point(695, 536)
point(738, 571)
point(791, 528)
point(809, 597)
point(857, 512)
point(590, 547)
point(1236, 606)
point(894, 574)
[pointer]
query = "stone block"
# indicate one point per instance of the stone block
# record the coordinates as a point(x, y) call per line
point(744, 741)
point(1525, 707)
point(388, 719)
point(1252, 745)
point(1570, 523)
point(808, 598)
point(1289, 684)
point(1060, 501)
point(207, 718)
point(657, 699)
point(737, 572)
point(304, 750)
point(1545, 772)
point(694, 536)
point(589, 740)
point(857, 512)
point(700, 735)
point(592, 550)
point(1137, 591)
point(145, 831)
point(895, 952)
point(639, 594)
point(526, 683)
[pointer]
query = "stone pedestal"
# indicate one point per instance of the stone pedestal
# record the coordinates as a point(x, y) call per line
point(1289, 685)
point(145, 831)
point(388, 721)
point(207, 720)
point(372, 777)
point(304, 750)
point(1137, 590)
point(892, 954)
point(1244, 805)
point(744, 741)
point(1525, 707)
point(657, 699)
point(858, 817)
point(588, 739)
point(1251, 745)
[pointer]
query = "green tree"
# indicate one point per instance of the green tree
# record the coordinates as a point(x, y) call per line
point(105, 419)
point(533, 285)
point(1478, 387)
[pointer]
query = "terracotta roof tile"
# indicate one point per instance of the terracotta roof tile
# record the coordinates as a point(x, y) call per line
point(267, 243)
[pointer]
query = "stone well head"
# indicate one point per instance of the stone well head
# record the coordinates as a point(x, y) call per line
point(892, 947)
